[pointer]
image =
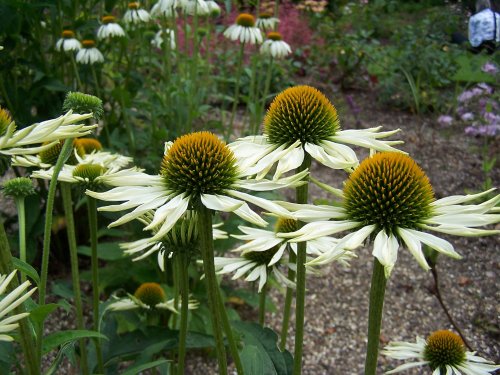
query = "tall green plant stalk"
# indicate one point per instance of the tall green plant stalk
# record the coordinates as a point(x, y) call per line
point(42, 290)
point(239, 69)
point(262, 304)
point(77, 75)
point(288, 304)
point(75, 275)
point(94, 264)
point(207, 251)
point(21, 214)
point(301, 198)
point(183, 264)
point(377, 293)
point(26, 332)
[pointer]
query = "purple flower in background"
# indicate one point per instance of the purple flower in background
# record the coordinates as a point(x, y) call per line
point(483, 130)
point(490, 68)
point(468, 116)
point(466, 96)
point(485, 87)
point(445, 120)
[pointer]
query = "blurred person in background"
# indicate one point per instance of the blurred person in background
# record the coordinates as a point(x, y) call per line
point(484, 28)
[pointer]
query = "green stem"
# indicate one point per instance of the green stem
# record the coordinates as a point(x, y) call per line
point(237, 87)
point(25, 329)
point(267, 85)
point(77, 75)
point(21, 213)
point(63, 156)
point(301, 198)
point(94, 265)
point(233, 348)
point(207, 251)
point(288, 304)
point(75, 277)
point(377, 292)
point(183, 264)
point(262, 304)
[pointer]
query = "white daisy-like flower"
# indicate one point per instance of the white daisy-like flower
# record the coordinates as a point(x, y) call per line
point(443, 352)
point(109, 28)
point(266, 22)
point(184, 235)
point(85, 151)
point(9, 302)
point(136, 15)
point(213, 8)
point(258, 240)
point(274, 46)
point(159, 37)
point(148, 296)
point(389, 198)
point(89, 54)
point(192, 7)
point(197, 168)
point(302, 120)
point(244, 30)
point(68, 42)
point(164, 8)
point(48, 132)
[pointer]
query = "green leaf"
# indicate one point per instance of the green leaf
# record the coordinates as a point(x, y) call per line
point(137, 369)
point(252, 362)
point(52, 341)
point(264, 340)
point(27, 269)
point(40, 313)
point(7, 357)
point(105, 251)
point(65, 351)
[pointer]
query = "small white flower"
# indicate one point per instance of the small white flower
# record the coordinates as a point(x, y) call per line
point(9, 302)
point(109, 29)
point(135, 15)
point(244, 30)
point(275, 47)
point(168, 34)
point(192, 7)
point(443, 352)
point(68, 42)
point(266, 22)
point(89, 54)
point(48, 132)
point(164, 8)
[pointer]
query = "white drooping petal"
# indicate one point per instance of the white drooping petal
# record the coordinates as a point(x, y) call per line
point(415, 247)
point(436, 243)
point(319, 154)
point(385, 249)
point(290, 161)
point(459, 199)
point(311, 213)
point(175, 213)
point(367, 138)
point(262, 203)
point(318, 229)
point(220, 202)
point(266, 185)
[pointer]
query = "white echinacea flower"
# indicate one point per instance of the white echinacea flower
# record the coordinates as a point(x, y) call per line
point(89, 54)
point(266, 22)
point(389, 199)
point(165, 8)
point(192, 7)
point(159, 37)
point(443, 352)
point(68, 42)
point(109, 28)
point(197, 169)
point(9, 302)
point(275, 47)
point(302, 120)
point(47, 132)
point(135, 15)
point(148, 296)
point(244, 30)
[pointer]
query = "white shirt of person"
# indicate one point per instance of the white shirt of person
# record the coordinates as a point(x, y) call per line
point(482, 27)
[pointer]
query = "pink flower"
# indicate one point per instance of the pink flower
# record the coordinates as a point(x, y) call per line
point(490, 68)
point(445, 120)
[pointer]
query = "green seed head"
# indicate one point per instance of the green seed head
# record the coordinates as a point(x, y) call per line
point(199, 163)
point(83, 103)
point(5, 120)
point(261, 257)
point(444, 348)
point(389, 190)
point(300, 113)
point(150, 294)
point(89, 171)
point(50, 155)
point(286, 225)
point(19, 187)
